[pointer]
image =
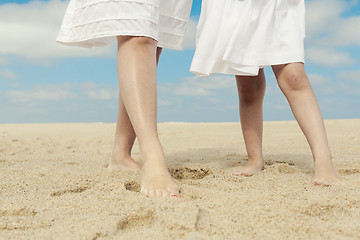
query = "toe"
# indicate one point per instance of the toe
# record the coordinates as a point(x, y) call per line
point(248, 174)
point(165, 193)
point(317, 181)
point(321, 182)
point(152, 193)
point(237, 173)
point(174, 192)
point(158, 192)
point(145, 192)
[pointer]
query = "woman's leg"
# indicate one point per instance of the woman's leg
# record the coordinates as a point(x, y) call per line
point(251, 92)
point(295, 85)
point(124, 138)
point(137, 82)
point(123, 142)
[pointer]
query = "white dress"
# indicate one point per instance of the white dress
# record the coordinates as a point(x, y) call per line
point(239, 37)
point(89, 23)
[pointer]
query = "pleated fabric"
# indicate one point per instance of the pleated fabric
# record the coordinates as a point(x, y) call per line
point(239, 37)
point(89, 23)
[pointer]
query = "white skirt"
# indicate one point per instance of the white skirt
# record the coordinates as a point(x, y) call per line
point(241, 36)
point(89, 23)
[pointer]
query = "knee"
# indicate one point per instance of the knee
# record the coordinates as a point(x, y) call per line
point(142, 41)
point(138, 42)
point(250, 91)
point(295, 81)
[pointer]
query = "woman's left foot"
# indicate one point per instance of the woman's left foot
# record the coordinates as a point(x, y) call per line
point(325, 174)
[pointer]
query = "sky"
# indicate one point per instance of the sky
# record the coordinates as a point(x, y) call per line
point(42, 81)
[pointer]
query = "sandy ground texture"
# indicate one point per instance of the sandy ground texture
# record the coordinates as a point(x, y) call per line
point(54, 185)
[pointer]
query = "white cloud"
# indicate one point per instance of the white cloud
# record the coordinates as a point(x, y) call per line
point(344, 84)
point(7, 74)
point(162, 102)
point(322, 85)
point(322, 14)
point(204, 86)
point(59, 92)
point(348, 83)
point(189, 89)
point(51, 92)
point(93, 91)
point(345, 33)
point(328, 29)
point(317, 79)
point(3, 61)
point(349, 76)
point(102, 94)
point(329, 57)
point(325, 24)
point(88, 85)
point(30, 30)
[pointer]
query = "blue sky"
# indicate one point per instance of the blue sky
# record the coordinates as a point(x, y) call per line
point(42, 81)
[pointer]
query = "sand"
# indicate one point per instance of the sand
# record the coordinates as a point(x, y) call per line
point(54, 185)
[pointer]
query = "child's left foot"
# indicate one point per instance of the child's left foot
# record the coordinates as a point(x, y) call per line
point(325, 174)
point(251, 168)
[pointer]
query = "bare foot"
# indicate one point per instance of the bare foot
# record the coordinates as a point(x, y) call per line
point(157, 182)
point(124, 163)
point(325, 174)
point(251, 168)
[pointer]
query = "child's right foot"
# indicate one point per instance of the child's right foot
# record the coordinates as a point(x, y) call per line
point(251, 168)
point(123, 163)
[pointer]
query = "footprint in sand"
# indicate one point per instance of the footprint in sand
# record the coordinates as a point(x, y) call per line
point(349, 171)
point(325, 211)
point(132, 186)
point(270, 162)
point(233, 155)
point(286, 169)
point(202, 219)
point(18, 213)
point(75, 190)
point(99, 235)
point(188, 173)
point(177, 173)
point(72, 163)
point(136, 221)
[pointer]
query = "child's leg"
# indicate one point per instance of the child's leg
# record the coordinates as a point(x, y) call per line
point(251, 95)
point(137, 82)
point(295, 84)
point(124, 139)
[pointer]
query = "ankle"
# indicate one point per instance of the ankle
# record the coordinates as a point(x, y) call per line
point(151, 149)
point(323, 158)
point(258, 159)
point(120, 154)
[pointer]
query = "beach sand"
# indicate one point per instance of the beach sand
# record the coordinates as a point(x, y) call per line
point(54, 185)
